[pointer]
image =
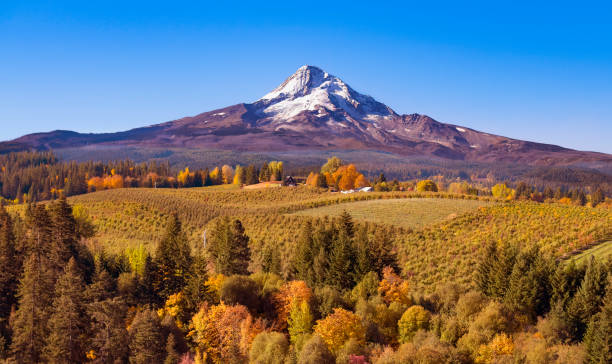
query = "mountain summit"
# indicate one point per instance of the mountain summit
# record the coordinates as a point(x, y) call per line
point(314, 110)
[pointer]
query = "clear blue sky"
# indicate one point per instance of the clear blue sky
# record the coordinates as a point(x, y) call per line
point(536, 72)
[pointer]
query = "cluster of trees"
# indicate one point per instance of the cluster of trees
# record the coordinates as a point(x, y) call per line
point(38, 176)
point(341, 301)
point(336, 174)
point(523, 191)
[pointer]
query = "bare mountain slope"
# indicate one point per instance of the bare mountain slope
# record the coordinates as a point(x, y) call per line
point(317, 111)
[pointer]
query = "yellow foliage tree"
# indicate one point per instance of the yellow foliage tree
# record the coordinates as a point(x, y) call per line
point(501, 346)
point(502, 191)
point(184, 177)
point(228, 174)
point(427, 185)
point(337, 328)
point(414, 318)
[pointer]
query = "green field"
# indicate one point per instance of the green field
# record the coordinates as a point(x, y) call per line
point(407, 213)
point(601, 251)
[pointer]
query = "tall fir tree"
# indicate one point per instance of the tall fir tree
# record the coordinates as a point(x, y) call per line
point(486, 268)
point(146, 339)
point(530, 289)
point(172, 356)
point(303, 261)
point(195, 292)
point(228, 246)
point(9, 273)
point(588, 298)
point(341, 272)
point(103, 285)
point(109, 337)
point(63, 235)
point(29, 325)
point(68, 321)
point(173, 260)
point(598, 338)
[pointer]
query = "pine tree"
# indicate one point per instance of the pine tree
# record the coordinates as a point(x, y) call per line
point(381, 251)
point(485, 269)
point(173, 260)
point(581, 198)
point(321, 181)
point(251, 177)
point(597, 197)
point(500, 279)
point(10, 268)
point(30, 323)
point(264, 174)
point(148, 293)
point(565, 282)
point(145, 338)
point(172, 356)
point(304, 256)
point(341, 273)
point(529, 289)
point(63, 233)
point(195, 292)
point(109, 339)
point(587, 301)
point(598, 338)
point(363, 259)
point(229, 247)
point(346, 224)
point(67, 323)
point(102, 287)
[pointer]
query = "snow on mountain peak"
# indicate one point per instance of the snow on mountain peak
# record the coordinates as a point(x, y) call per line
point(312, 89)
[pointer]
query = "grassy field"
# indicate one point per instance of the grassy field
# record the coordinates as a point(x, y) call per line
point(601, 251)
point(407, 213)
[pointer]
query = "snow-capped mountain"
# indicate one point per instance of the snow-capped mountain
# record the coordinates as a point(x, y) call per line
point(314, 110)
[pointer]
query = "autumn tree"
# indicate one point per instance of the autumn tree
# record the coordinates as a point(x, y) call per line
point(393, 288)
point(337, 328)
point(415, 318)
point(315, 350)
point(68, 321)
point(427, 186)
point(239, 176)
point(269, 348)
point(331, 165)
point(228, 174)
point(223, 334)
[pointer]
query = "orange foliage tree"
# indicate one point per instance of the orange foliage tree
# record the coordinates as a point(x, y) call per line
point(223, 334)
point(393, 288)
point(291, 293)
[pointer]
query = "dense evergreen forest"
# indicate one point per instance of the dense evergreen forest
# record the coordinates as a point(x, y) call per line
point(341, 301)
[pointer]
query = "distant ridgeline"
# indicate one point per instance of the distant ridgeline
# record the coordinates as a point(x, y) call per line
point(36, 176)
